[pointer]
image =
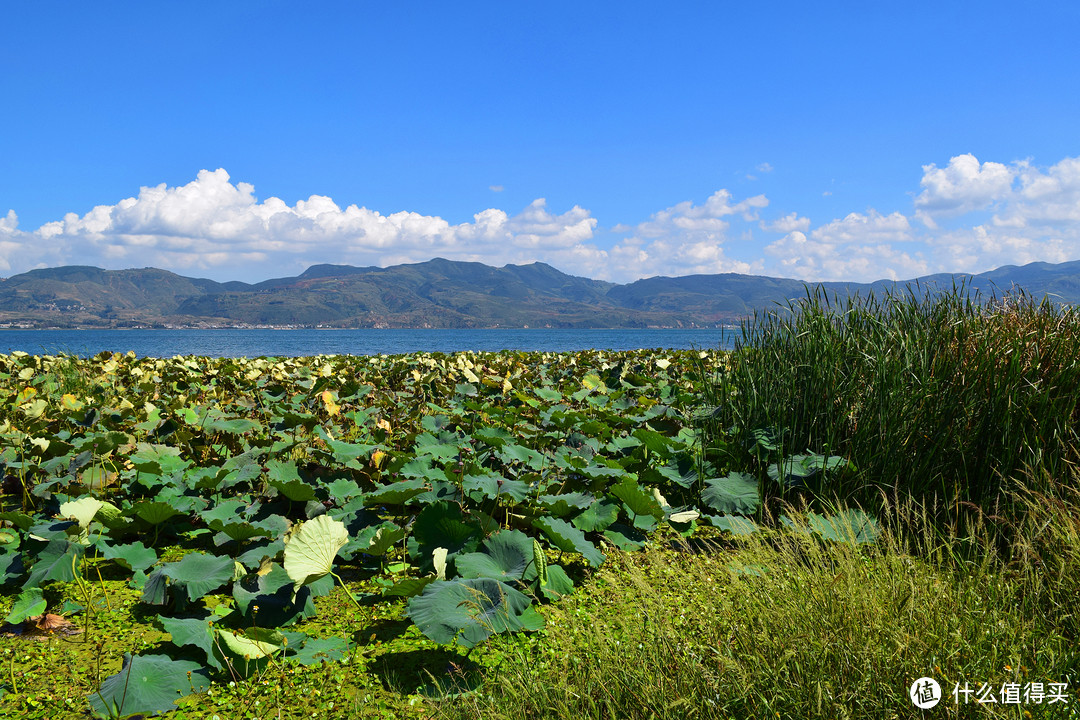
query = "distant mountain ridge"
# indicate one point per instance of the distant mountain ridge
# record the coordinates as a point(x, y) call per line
point(441, 293)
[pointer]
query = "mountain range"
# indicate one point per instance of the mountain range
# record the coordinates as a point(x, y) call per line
point(444, 294)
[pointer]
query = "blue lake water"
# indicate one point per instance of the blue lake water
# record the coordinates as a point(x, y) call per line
point(292, 343)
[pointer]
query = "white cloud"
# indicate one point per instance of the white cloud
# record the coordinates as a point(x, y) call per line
point(962, 186)
point(765, 167)
point(1044, 198)
point(706, 219)
point(858, 247)
point(789, 223)
point(496, 188)
point(9, 223)
point(1036, 217)
point(685, 239)
point(214, 225)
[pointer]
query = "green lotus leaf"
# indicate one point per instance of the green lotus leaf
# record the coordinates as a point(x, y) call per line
point(30, 602)
point(191, 631)
point(654, 441)
point(154, 512)
point(310, 551)
point(319, 650)
point(417, 468)
point(848, 526)
point(205, 478)
point(492, 485)
point(512, 452)
point(409, 587)
point(737, 493)
point(385, 537)
point(295, 490)
point(795, 470)
point(563, 505)
point(626, 537)
point(260, 550)
point(19, 519)
point(494, 436)
point(134, 556)
point(159, 459)
point(225, 511)
point(155, 590)
point(271, 601)
point(239, 531)
point(568, 538)
point(199, 573)
point(442, 524)
point(682, 472)
point(603, 472)
point(428, 444)
point(508, 555)
point(597, 516)
point(558, 583)
point(148, 684)
point(623, 443)
point(734, 524)
point(397, 493)
point(467, 610)
point(283, 472)
point(636, 498)
point(343, 489)
point(218, 422)
point(11, 566)
point(344, 452)
point(9, 539)
point(548, 395)
point(57, 561)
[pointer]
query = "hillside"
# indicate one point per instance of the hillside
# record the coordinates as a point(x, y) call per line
point(438, 293)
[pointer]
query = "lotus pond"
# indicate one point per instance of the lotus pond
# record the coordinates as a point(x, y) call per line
point(181, 533)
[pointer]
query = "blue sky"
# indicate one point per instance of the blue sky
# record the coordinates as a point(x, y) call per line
point(247, 140)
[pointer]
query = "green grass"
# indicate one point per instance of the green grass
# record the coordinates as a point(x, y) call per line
point(781, 625)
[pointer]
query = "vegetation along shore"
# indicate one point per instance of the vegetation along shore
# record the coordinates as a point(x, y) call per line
point(865, 492)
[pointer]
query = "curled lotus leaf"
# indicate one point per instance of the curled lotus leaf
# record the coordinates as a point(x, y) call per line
point(310, 551)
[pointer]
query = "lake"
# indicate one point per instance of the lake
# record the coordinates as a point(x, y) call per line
point(292, 343)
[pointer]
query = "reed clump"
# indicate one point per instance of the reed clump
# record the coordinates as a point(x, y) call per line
point(927, 393)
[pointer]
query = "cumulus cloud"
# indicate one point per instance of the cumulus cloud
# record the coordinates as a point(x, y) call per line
point(1044, 198)
point(789, 223)
point(1035, 216)
point(686, 238)
point(213, 225)
point(962, 186)
point(857, 247)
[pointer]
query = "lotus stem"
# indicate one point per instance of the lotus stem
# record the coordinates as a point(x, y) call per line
point(342, 583)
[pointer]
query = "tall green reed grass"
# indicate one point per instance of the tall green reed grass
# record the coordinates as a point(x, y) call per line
point(927, 393)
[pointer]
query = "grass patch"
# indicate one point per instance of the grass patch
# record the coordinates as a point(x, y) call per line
point(782, 625)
